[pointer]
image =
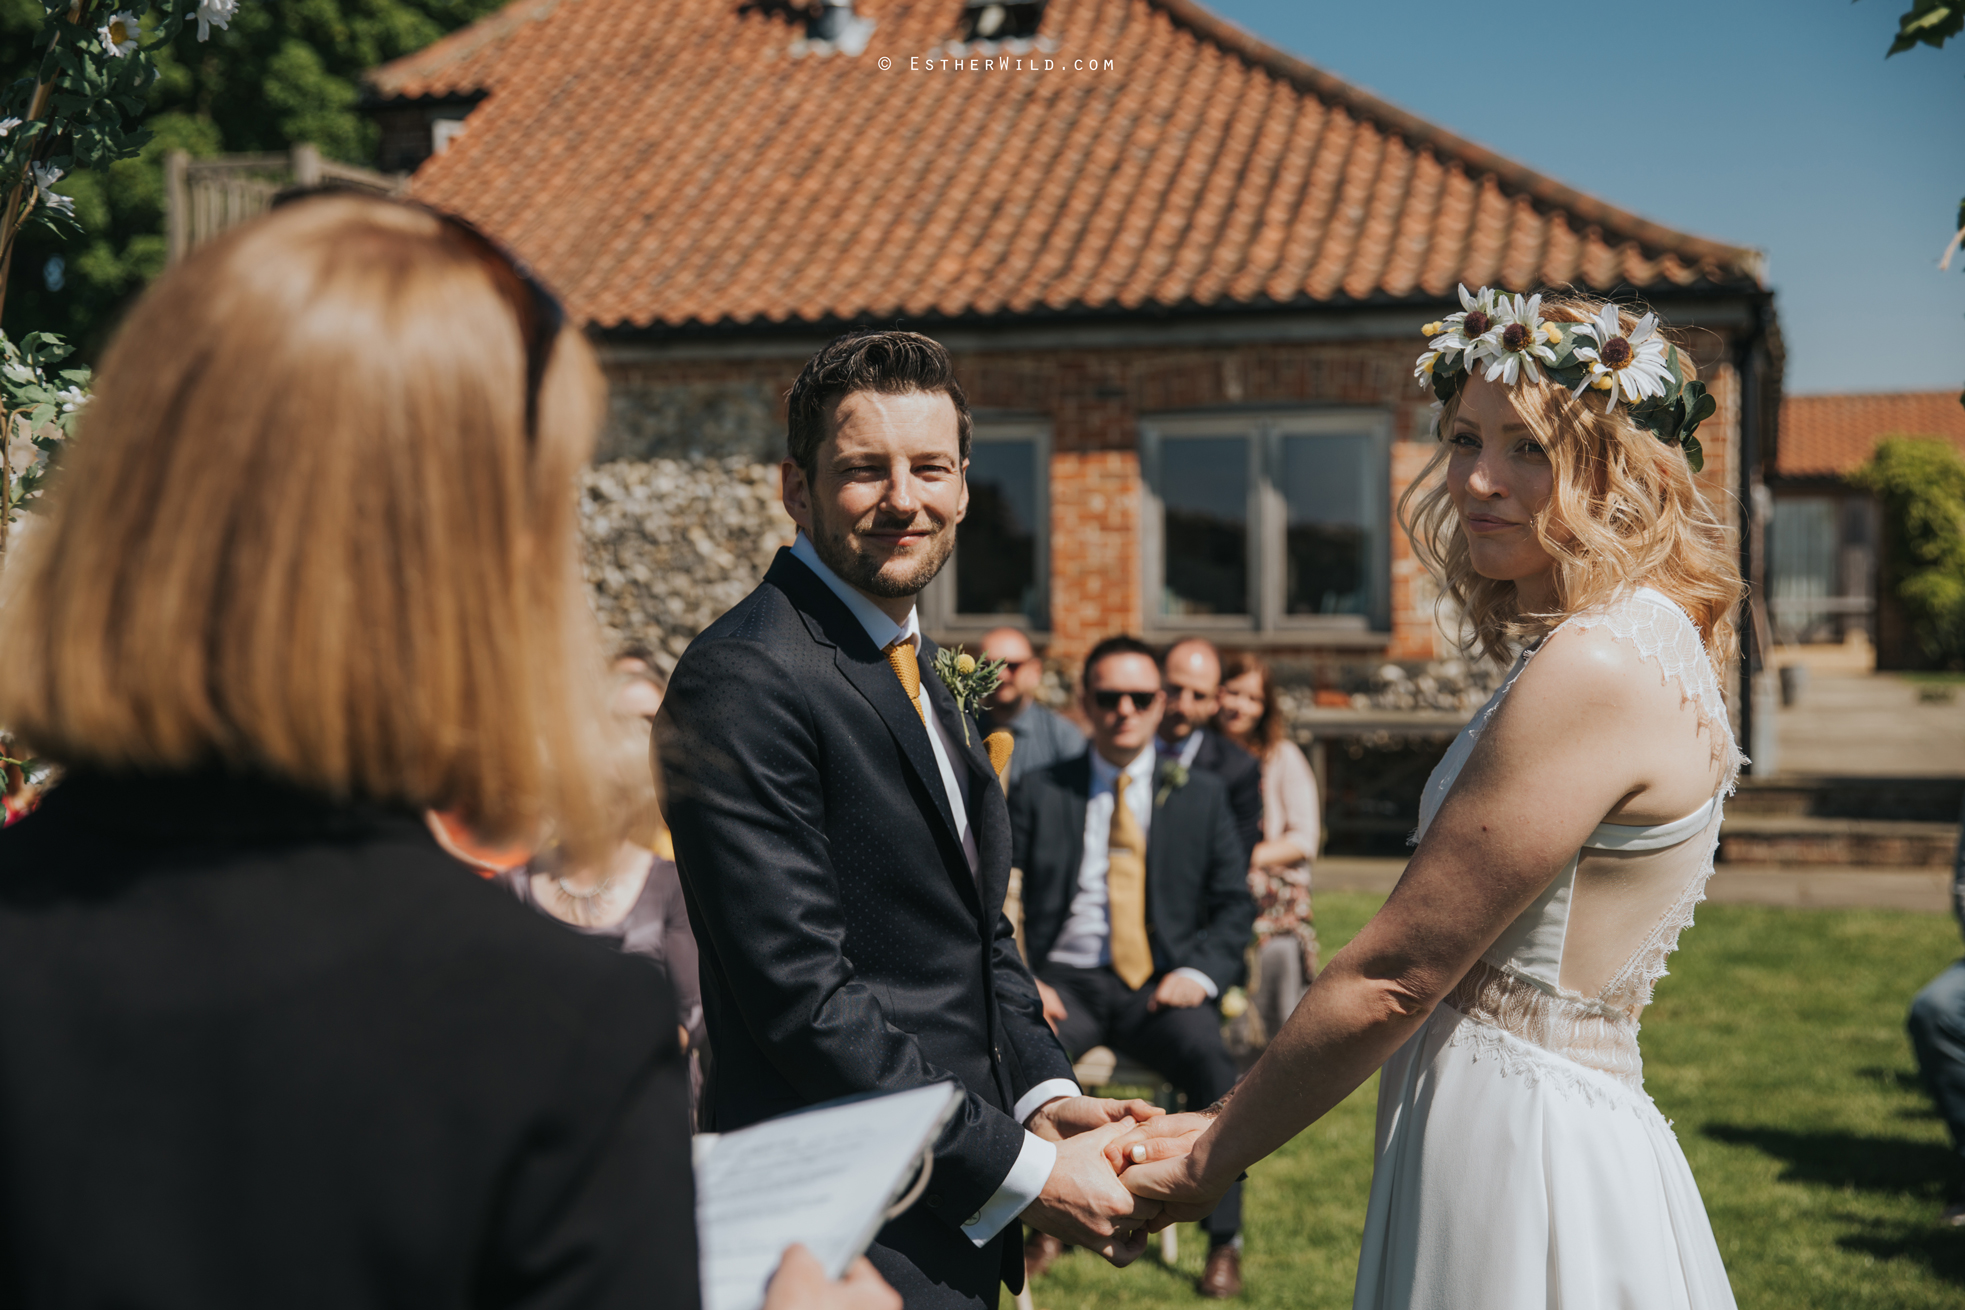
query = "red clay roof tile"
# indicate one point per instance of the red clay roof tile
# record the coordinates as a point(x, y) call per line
point(690, 163)
point(1829, 436)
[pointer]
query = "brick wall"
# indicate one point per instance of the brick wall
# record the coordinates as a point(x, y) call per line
point(1094, 399)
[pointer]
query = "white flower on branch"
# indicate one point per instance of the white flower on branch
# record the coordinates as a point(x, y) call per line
point(8, 124)
point(71, 399)
point(214, 13)
point(119, 35)
point(45, 178)
point(23, 456)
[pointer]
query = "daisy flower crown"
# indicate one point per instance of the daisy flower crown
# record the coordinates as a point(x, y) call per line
point(1507, 337)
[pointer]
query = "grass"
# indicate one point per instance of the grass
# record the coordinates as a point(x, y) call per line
point(1777, 1047)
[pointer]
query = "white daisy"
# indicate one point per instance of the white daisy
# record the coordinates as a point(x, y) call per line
point(1472, 327)
point(1422, 371)
point(214, 13)
point(1634, 363)
point(44, 180)
point(119, 35)
point(1519, 342)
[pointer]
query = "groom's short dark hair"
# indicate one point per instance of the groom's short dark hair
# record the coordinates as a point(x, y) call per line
point(864, 359)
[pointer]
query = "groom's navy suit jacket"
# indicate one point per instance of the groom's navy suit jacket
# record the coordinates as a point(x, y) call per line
point(846, 946)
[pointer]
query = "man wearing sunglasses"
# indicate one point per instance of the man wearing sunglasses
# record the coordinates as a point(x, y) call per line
point(1136, 906)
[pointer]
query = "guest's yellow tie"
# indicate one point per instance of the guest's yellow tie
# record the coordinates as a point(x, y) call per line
point(1125, 892)
point(900, 654)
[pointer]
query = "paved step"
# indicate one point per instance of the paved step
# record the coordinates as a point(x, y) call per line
point(1929, 799)
point(1799, 839)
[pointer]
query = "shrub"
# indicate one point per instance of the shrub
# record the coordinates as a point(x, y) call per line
point(1920, 483)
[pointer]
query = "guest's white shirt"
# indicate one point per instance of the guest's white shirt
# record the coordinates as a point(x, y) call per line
point(1026, 1179)
point(1085, 941)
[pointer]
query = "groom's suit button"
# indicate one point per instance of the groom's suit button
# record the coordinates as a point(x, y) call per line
point(973, 1220)
point(935, 1199)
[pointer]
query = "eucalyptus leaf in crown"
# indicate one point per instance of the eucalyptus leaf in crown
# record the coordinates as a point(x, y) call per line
point(1506, 337)
point(968, 679)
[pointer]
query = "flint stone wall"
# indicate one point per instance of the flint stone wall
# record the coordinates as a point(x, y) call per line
point(673, 543)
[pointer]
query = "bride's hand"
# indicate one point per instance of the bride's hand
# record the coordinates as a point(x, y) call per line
point(1178, 1183)
point(1162, 1138)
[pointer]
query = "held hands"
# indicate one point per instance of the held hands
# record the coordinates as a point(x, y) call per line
point(1156, 1161)
point(801, 1284)
point(1067, 1116)
point(1083, 1202)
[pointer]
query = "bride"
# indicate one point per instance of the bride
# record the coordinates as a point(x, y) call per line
point(1563, 843)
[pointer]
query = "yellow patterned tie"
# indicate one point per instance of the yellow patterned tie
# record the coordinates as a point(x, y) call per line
point(907, 667)
point(1125, 892)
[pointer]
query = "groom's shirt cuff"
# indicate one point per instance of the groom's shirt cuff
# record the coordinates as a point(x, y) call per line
point(1028, 1175)
point(1041, 1095)
point(1024, 1184)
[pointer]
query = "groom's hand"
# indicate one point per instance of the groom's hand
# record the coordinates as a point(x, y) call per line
point(1068, 1116)
point(1083, 1202)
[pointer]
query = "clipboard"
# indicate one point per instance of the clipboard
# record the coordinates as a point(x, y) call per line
point(829, 1176)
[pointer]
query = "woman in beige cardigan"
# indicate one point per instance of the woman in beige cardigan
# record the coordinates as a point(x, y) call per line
point(1279, 871)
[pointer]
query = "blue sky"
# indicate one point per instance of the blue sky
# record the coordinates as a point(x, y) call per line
point(1770, 123)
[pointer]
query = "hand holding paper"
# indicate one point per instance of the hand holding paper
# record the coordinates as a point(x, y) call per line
point(1084, 1203)
point(801, 1284)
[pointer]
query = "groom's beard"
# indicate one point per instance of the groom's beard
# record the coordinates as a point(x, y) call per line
point(896, 575)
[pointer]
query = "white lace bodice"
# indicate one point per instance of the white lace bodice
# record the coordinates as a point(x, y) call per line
point(1625, 896)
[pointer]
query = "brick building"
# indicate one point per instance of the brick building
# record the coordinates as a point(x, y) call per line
point(1823, 540)
point(1183, 273)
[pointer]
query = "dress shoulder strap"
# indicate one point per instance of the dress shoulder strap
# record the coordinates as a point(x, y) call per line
point(1665, 635)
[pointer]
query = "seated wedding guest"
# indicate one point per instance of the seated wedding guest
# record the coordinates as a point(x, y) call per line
point(1136, 906)
point(1191, 673)
point(1279, 871)
point(1043, 736)
point(310, 572)
point(633, 899)
point(1937, 1033)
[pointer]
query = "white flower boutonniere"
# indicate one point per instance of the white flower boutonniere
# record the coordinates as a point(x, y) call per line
point(1172, 778)
point(968, 679)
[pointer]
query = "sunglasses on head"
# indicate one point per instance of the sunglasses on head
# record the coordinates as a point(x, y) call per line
point(539, 313)
point(1140, 701)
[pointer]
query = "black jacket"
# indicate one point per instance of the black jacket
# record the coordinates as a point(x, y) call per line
point(1198, 911)
point(258, 1049)
point(1243, 774)
point(846, 947)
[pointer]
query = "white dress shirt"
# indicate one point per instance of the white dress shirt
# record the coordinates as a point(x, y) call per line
point(1026, 1179)
point(1085, 941)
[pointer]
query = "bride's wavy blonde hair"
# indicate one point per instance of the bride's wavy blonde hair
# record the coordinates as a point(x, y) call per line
point(1625, 509)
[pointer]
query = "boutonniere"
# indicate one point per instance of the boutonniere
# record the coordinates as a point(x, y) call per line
point(968, 679)
point(1172, 778)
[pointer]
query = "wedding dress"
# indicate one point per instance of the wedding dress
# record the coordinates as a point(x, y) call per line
point(1519, 1161)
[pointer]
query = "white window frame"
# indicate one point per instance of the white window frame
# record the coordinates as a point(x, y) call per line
point(1268, 517)
point(937, 603)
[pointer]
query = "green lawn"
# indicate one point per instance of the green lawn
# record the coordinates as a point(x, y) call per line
point(1777, 1047)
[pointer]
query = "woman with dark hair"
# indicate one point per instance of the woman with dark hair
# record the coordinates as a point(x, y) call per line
point(1279, 871)
point(311, 572)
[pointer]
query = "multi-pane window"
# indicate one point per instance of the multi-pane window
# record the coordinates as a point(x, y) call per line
point(1001, 564)
point(1268, 521)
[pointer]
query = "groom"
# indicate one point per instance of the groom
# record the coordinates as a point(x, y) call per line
point(845, 848)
